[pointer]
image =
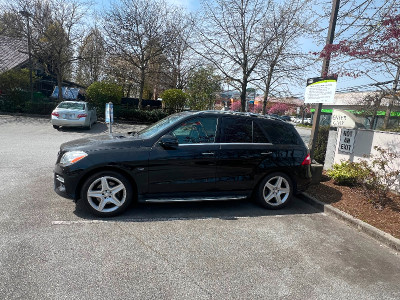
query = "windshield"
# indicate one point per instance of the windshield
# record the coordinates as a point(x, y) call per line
point(160, 125)
point(72, 105)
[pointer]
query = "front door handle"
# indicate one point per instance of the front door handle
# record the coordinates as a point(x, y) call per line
point(266, 153)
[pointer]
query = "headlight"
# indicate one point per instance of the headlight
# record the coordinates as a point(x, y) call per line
point(72, 157)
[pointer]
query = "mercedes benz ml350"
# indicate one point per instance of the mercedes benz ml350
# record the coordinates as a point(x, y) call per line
point(208, 155)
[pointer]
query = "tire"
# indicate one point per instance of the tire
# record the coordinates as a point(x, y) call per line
point(56, 127)
point(275, 191)
point(106, 194)
point(90, 125)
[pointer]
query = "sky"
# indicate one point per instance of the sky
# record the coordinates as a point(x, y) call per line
point(308, 45)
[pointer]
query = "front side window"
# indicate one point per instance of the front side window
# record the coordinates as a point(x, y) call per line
point(197, 131)
point(160, 126)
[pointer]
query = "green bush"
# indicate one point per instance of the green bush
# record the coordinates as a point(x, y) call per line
point(174, 100)
point(38, 107)
point(141, 116)
point(100, 93)
point(348, 173)
point(322, 141)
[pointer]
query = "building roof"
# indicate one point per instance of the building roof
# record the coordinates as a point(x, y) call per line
point(13, 53)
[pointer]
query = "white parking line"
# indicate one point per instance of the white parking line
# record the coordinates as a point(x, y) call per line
point(226, 218)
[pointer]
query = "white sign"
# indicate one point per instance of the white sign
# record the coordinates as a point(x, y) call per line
point(343, 119)
point(320, 90)
point(109, 112)
point(346, 142)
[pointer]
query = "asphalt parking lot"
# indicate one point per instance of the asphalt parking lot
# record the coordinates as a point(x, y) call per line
point(51, 249)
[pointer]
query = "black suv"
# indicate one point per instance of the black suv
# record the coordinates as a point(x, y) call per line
point(209, 155)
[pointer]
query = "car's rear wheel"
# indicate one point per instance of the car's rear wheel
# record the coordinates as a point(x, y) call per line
point(275, 191)
point(56, 126)
point(90, 125)
point(107, 194)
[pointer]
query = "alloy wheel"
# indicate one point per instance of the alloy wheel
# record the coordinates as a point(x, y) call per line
point(106, 194)
point(276, 191)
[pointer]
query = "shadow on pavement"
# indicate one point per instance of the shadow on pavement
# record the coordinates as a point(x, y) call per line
point(224, 210)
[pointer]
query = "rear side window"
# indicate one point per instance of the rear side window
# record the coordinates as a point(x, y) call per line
point(241, 130)
point(280, 133)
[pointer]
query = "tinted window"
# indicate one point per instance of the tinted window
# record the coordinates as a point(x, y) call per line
point(197, 130)
point(258, 135)
point(236, 130)
point(72, 105)
point(280, 133)
point(242, 130)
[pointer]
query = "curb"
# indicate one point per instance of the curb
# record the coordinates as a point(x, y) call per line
point(373, 232)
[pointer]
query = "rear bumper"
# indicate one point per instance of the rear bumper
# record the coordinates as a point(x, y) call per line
point(70, 122)
point(303, 178)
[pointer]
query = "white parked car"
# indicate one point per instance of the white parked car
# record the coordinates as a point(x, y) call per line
point(74, 114)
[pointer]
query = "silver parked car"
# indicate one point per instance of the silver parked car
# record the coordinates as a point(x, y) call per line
point(74, 114)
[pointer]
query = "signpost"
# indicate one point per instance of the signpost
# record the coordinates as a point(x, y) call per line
point(324, 72)
point(109, 115)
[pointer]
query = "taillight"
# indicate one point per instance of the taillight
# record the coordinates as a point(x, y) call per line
point(56, 114)
point(306, 161)
point(82, 116)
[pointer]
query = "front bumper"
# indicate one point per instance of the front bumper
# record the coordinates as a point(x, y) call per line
point(66, 183)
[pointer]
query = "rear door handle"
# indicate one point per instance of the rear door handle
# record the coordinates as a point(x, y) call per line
point(208, 153)
point(266, 153)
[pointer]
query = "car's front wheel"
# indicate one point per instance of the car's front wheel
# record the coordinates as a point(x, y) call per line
point(275, 191)
point(107, 194)
point(56, 126)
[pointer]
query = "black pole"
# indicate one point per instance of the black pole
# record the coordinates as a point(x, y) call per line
point(324, 72)
point(28, 15)
point(30, 60)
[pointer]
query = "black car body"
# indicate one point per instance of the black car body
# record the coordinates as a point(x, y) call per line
point(188, 156)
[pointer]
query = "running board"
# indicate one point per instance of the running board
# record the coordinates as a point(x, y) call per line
point(194, 199)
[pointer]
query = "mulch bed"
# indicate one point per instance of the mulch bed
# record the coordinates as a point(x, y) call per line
point(353, 201)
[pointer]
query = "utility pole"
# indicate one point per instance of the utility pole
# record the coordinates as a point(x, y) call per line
point(27, 15)
point(324, 73)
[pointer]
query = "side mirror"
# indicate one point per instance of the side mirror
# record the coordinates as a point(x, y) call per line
point(169, 142)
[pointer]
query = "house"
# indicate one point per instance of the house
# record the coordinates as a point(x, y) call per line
point(13, 53)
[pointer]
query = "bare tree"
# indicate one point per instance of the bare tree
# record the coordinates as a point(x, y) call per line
point(283, 61)
point(137, 31)
point(179, 55)
point(92, 58)
point(234, 36)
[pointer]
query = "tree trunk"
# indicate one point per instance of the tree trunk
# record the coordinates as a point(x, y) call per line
point(141, 88)
point(387, 114)
point(243, 98)
point(60, 85)
point(266, 93)
point(391, 101)
point(377, 104)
